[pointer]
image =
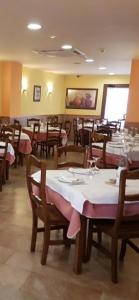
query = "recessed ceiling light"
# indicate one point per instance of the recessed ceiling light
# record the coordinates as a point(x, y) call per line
point(102, 68)
point(89, 60)
point(52, 36)
point(34, 26)
point(111, 73)
point(66, 47)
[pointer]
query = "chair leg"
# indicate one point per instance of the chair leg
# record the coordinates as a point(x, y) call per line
point(34, 234)
point(67, 241)
point(114, 251)
point(123, 250)
point(46, 241)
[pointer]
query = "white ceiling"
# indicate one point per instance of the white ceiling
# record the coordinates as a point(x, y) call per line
point(89, 25)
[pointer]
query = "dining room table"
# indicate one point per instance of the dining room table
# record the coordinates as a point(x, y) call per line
point(10, 157)
point(80, 194)
point(121, 146)
point(41, 135)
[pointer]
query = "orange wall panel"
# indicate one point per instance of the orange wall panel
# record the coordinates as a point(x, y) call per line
point(133, 101)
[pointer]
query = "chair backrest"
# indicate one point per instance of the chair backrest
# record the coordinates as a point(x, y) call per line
point(36, 188)
point(67, 127)
point(3, 148)
point(64, 152)
point(88, 124)
point(17, 135)
point(95, 138)
point(84, 135)
point(36, 130)
point(16, 122)
point(75, 125)
point(31, 121)
point(53, 120)
point(8, 130)
point(114, 125)
point(105, 129)
point(125, 198)
point(53, 134)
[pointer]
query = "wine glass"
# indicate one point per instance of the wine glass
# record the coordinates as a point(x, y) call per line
point(90, 161)
point(95, 159)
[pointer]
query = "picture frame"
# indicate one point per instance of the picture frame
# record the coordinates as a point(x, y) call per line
point(81, 98)
point(37, 93)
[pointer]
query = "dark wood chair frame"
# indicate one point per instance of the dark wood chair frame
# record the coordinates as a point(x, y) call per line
point(3, 164)
point(32, 121)
point(41, 209)
point(123, 227)
point(71, 149)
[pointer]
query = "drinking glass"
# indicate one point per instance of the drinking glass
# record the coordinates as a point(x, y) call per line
point(95, 159)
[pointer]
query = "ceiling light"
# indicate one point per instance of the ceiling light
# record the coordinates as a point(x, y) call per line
point(89, 60)
point(102, 68)
point(111, 73)
point(66, 47)
point(34, 26)
point(52, 36)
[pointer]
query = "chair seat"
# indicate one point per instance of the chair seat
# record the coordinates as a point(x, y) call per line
point(127, 229)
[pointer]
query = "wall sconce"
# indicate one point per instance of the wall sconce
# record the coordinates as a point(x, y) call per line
point(49, 87)
point(24, 86)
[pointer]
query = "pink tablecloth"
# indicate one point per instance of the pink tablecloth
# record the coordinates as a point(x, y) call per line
point(89, 210)
point(10, 157)
point(25, 146)
point(114, 159)
point(42, 134)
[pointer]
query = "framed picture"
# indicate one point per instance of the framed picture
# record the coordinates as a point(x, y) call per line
point(37, 93)
point(78, 98)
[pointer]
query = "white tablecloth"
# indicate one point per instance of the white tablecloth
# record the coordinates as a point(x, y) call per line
point(9, 150)
point(96, 188)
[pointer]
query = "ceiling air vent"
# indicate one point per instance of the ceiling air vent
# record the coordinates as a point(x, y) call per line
point(60, 53)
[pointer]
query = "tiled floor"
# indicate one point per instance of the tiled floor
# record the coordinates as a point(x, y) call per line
point(23, 277)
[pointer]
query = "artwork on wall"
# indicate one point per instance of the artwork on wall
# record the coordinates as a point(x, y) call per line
point(37, 93)
point(78, 98)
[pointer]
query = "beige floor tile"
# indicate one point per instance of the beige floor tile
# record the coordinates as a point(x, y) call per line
point(23, 277)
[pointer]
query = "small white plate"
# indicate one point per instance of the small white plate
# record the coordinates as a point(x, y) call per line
point(80, 171)
point(70, 180)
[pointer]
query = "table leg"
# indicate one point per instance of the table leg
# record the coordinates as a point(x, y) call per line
point(80, 246)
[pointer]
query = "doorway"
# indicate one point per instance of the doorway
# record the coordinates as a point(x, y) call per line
point(115, 100)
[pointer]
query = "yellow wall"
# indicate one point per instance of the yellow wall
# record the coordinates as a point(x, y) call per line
point(92, 81)
point(49, 104)
point(14, 103)
point(133, 103)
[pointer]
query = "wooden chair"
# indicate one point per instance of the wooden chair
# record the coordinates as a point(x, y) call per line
point(16, 122)
point(123, 227)
point(53, 138)
point(71, 149)
point(88, 124)
point(67, 127)
point(102, 139)
point(35, 140)
point(41, 209)
point(16, 142)
point(3, 149)
point(105, 129)
point(114, 125)
point(31, 121)
point(76, 136)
